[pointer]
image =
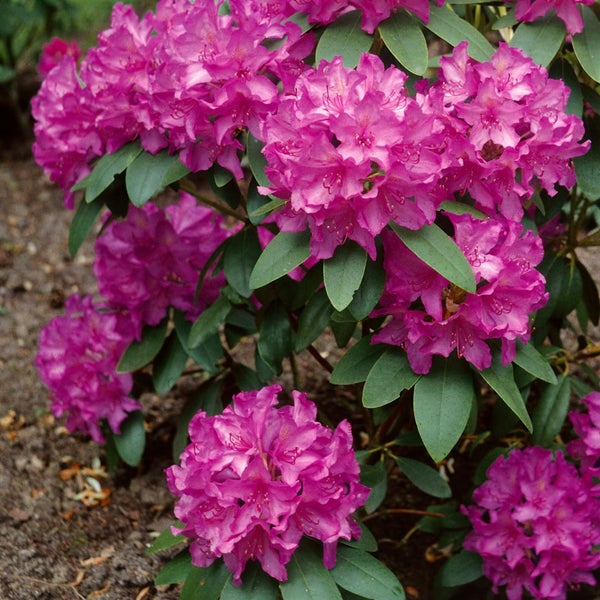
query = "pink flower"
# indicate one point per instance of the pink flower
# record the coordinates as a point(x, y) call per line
point(53, 52)
point(587, 427)
point(153, 258)
point(351, 150)
point(77, 360)
point(535, 524)
point(566, 10)
point(256, 478)
point(431, 316)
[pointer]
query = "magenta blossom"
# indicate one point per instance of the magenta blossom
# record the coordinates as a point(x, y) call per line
point(256, 478)
point(587, 427)
point(152, 259)
point(432, 316)
point(53, 52)
point(350, 150)
point(77, 360)
point(536, 525)
point(566, 10)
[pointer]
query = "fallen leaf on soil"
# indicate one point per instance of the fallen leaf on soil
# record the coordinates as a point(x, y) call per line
point(19, 514)
point(143, 593)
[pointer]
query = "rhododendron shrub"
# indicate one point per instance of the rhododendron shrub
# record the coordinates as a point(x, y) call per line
point(388, 196)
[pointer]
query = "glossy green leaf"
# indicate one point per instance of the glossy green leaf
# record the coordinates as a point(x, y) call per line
point(167, 539)
point(256, 585)
point(356, 363)
point(168, 364)
point(508, 20)
point(362, 574)
point(375, 478)
point(313, 320)
point(461, 208)
point(257, 161)
point(445, 23)
point(176, 570)
point(587, 43)
point(502, 380)
point(403, 36)
point(343, 273)
point(208, 353)
point(239, 258)
point(205, 583)
point(529, 359)
point(426, 478)
point(131, 441)
point(285, 252)
point(366, 542)
point(551, 411)
point(436, 249)
point(82, 223)
point(388, 378)
point(139, 353)
point(562, 69)
point(149, 173)
point(208, 323)
point(369, 291)
point(276, 338)
point(344, 37)
point(587, 169)
point(541, 40)
point(106, 169)
point(461, 569)
point(442, 404)
point(308, 579)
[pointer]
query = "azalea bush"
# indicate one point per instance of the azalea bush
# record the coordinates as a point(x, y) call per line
point(409, 184)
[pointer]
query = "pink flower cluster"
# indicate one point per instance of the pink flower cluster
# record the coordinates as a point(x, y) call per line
point(587, 447)
point(184, 78)
point(152, 259)
point(566, 10)
point(351, 150)
point(144, 264)
point(536, 524)
point(256, 478)
point(431, 316)
point(54, 51)
point(77, 360)
point(510, 132)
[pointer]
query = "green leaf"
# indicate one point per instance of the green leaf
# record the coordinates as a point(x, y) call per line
point(139, 353)
point(206, 583)
point(442, 404)
point(462, 568)
point(148, 173)
point(343, 273)
point(508, 20)
point(388, 377)
point(167, 539)
point(366, 542)
point(308, 579)
point(7, 74)
point(590, 298)
point(276, 338)
point(551, 411)
point(257, 161)
point(587, 169)
point(240, 256)
point(426, 478)
point(267, 207)
point(176, 570)
point(207, 398)
point(106, 169)
point(362, 574)
point(460, 208)
point(356, 363)
point(403, 36)
point(256, 585)
point(206, 354)
point(169, 364)
point(208, 323)
point(562, 69)
point(436, 249)
point(344, 38)
point(285, 252)
point(82, 223)
point(131, 441)
point(529, 359)
point(502, 380)
point(587, 44)
point(369, 292)
point(313, 320)
point(445, 23)
point(541, 40)
point(375, 478)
